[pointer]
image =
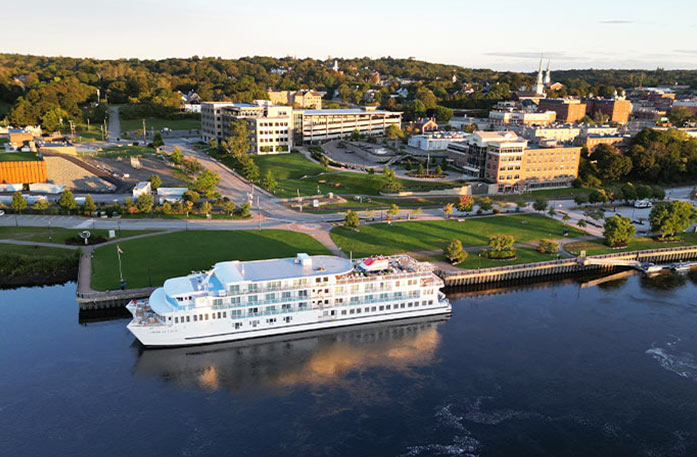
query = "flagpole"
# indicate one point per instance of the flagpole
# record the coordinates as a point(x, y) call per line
point(118, 252)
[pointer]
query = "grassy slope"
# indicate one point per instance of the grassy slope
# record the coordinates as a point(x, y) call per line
point(129, 125)
point(419, 236)
point(176, 254)
point(294, 172)
point(35, 251)
point(17, 156)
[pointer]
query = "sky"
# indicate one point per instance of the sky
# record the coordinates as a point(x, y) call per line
point(497, 34)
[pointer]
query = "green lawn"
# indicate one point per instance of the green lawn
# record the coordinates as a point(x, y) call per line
point(129, 125)
point(4, 140)
point(474, 262)
point(567, 193)
point(419, 236)
point(123, 151)
point(58, 235)
point(151, 260)
point(35, 251)
point(18, 156)
point(294, 172)
point(598, 247)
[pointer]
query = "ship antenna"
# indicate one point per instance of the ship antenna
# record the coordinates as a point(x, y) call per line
point(351, 256)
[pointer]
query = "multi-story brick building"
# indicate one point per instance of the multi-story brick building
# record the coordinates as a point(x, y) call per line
point(616, 110)
point(513, 165)
point(567, 109)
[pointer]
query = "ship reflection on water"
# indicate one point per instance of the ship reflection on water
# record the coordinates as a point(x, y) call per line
point(316, 358)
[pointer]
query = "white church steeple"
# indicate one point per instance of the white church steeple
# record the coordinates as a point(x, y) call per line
point(548, 76)
point(539, 85)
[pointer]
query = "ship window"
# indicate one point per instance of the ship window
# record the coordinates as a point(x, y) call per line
point(187, 319)
point(358, 311)
point(382, 308)
point(318, 280)
point(423, 302)
point(224, 313)
point(402, 305)
point(367, 309)
point(430, 302)
point(195, 317)
point(176, 320)
point(288, 319)
point(219, 314)
point(387, 307)
point(343, 312)
point(326, 278)
point(206, 316)
point(353, 311)
point(238, 325)
point(373, 308)
point(326, 291)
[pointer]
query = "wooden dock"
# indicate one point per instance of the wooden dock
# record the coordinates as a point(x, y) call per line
point(563, 266)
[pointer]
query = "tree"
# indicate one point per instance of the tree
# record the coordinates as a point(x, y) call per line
point(145, 203)
point(501, 242)
point(176, 156)
point(351, 220)
point(41, 205)
point(157, 140)
point(229, 206)
point(485, 204)
point(540, 204)
point(393, 211)
point(205, 183)
point(89, 207)
point(466, 204)
point(598, 196)
point(155, 182)
point(618, 230)
point(415, 212)
point(420, 170)
point(658, 192)
point(629, 193)
point(643, 192)
point(67, 201)
point(212, 143)
point(191, 196)
point(581, 223)
point(594, 213)
point(269, 183)
point(671, 218)
point(166, 208)
point(238, 141)
point(206, 207)
point(54, 119)
point(614, 166)
point(250, 170)
point(448, 209)
point(454, 252)
point(439, 170)
point(394, 131)
point(442, 113)
point(580, 199)
point(566, 217)
point(245, 209)
point(679, 116)
point(18, 202)
point(548, 247)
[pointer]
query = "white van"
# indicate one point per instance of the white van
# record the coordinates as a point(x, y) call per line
point(645, 203)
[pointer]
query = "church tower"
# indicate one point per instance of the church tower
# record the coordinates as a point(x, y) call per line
point(539, 85)
point(548, 76)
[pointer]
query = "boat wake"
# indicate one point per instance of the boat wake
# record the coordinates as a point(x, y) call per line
point(463, 443)
point(683, 364)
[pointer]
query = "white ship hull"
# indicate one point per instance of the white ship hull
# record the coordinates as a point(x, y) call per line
point(223, 330)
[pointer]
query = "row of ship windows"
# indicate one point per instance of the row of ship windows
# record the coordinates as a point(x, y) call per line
point(253, 299)
point(238, 314)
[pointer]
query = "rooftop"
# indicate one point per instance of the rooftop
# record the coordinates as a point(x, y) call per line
point(329, 112)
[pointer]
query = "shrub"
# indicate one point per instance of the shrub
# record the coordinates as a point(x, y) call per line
point(454, 252)
point(548, 247)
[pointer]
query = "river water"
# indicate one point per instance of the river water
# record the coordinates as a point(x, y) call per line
point(539, 370)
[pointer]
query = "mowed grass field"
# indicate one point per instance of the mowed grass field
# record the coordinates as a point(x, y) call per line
point(422, 236)
point(18, 156)
point(151, 260)
point(130, 125)
point(295, 173)
point(598, 247)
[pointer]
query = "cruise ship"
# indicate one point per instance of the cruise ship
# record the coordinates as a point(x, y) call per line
point(238, 300)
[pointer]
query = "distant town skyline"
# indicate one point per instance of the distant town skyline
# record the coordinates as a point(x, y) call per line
point(507, 35)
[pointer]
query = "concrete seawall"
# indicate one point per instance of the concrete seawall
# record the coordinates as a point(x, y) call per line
point(560, 267)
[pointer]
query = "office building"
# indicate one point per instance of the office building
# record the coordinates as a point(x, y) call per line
point(436, 141)
point(567, 109)
point(212, 121)
point(270, 126)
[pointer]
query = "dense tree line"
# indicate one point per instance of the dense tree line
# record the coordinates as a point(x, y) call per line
point(41, 89)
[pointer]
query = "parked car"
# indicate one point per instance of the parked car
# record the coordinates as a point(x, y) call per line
point(2, 213)
point(646, 203)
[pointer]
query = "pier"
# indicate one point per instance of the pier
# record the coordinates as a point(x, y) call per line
point(609, 262)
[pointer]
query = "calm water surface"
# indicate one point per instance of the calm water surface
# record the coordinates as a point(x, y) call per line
point(545, 370)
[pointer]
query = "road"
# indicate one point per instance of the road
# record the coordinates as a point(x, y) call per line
point(114, 123)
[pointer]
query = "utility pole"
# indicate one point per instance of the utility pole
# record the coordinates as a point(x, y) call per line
point(144, 132)
point(259, 211)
